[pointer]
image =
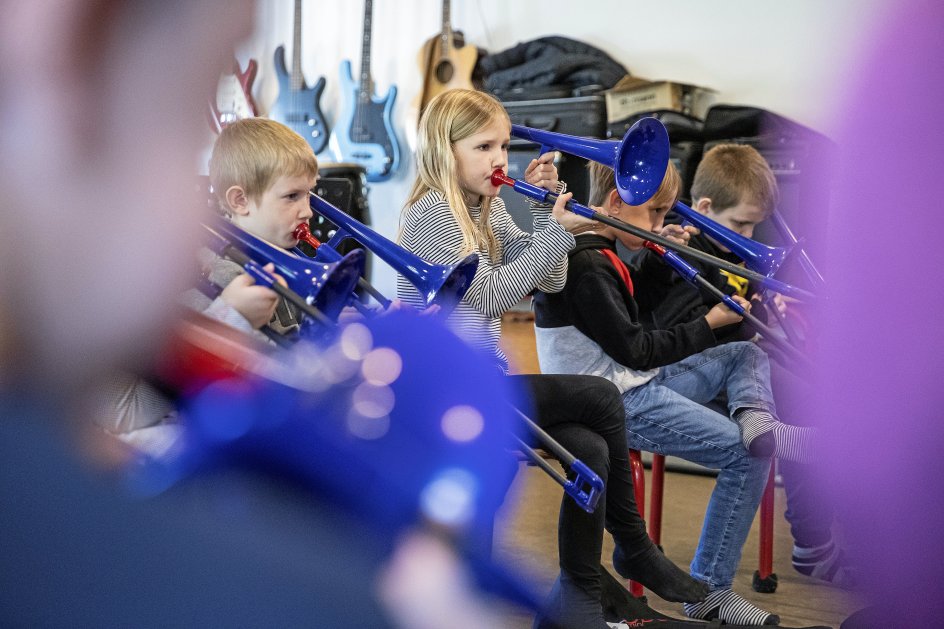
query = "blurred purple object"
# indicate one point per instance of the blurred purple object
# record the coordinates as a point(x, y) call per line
point(880, 361)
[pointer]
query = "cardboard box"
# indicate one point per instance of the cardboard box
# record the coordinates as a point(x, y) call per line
point(634, 95)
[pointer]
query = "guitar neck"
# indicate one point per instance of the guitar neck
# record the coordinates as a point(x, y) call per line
point(366, 88)
point(445, 35)
point(297, 80)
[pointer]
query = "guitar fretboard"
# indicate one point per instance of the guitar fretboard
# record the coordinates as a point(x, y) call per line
point(445, 35)
point(366, 88)
point(297, 77)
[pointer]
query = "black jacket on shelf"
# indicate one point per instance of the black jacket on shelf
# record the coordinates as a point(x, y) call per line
point(550, 61)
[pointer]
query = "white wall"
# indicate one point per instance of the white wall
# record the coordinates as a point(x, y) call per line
point(789, 56)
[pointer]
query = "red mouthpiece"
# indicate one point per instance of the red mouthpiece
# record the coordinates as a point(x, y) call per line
point(500, 178)
point(654, 247)
point(303, 233)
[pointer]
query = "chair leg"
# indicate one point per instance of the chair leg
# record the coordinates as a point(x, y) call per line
point(765, 580)
point(655, 498)
point(639, 487)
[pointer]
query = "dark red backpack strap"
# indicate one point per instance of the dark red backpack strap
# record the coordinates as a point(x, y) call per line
point(621, 268)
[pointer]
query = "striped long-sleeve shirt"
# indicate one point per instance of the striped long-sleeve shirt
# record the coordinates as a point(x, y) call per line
point(526, 261)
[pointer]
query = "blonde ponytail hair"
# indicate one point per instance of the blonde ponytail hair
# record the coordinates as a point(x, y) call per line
point(450, 117)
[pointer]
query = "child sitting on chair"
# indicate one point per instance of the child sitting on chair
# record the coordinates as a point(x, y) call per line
point(664, 376)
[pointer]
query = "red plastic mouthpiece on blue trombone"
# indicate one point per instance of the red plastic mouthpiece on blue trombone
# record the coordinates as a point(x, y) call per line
point(499, 178)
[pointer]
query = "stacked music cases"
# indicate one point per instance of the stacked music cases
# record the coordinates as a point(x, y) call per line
point(582, 116)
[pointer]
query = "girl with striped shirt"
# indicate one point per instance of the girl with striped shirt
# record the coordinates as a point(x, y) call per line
point(454, 210)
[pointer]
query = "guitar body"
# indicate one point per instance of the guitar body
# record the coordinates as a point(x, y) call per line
point(232, 100)
point(300, 109)
point(446, 63)
point(443, 71)
point(364, 130)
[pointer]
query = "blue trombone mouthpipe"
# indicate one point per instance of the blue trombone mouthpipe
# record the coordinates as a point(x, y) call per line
point(539, 194)
point(689, 272)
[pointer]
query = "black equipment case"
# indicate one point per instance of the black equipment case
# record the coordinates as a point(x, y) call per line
point(583, 116)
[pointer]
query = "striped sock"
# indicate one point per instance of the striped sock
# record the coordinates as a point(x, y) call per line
point(825, 562)
point(764, 436)
point(729, 607)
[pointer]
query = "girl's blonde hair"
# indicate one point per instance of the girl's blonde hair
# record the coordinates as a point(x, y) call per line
point(450, 117)
point(253, 153)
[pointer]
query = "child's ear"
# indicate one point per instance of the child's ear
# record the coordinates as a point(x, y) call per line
point(703, 205)
point(236, 201)
point(614, 203)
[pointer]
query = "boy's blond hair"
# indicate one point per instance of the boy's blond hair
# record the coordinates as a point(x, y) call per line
point(603, 181)
point(450, 117)
point(730, 174)
point(253, 153)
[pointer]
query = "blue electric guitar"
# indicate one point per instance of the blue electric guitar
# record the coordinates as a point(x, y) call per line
point(364, 130)
point(298, 106)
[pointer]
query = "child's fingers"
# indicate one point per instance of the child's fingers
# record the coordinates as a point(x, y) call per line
point(561, 203)
point(242, 280)
point(270, 267)
point(531, 166)
point(743, 302)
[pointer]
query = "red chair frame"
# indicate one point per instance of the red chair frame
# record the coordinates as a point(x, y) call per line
point(764, 578)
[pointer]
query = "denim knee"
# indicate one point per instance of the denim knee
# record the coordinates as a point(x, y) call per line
point(748, 350)
point(754, 468)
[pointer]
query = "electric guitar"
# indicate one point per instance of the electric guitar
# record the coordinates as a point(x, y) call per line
point(233, 100)
point(298, 105)
point(364, 131)
point(446, 63)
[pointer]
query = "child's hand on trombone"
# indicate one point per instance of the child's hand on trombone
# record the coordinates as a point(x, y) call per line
point(254, 302)
point(678, 234)
point(574, 223)
point(780, 303)
point(350, 314)
point(542, 172)
point(720, 315)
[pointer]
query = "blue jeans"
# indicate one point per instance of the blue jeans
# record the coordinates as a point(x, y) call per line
point(809, 511)
point(666, 416)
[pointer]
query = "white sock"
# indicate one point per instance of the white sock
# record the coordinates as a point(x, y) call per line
point(764, 436)
point(729, 607)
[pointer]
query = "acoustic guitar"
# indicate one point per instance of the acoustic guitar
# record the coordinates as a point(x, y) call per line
point(446, 63)
point(298, 106)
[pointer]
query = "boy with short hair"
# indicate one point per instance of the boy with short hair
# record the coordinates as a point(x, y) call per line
point(593, 327)
point(735, 187)
point(261, 172)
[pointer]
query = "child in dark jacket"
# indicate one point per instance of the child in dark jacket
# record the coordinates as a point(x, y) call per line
point(735, 187)
point(593, 327)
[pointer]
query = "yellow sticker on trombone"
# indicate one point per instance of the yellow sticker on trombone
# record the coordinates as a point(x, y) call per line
point(739, 284)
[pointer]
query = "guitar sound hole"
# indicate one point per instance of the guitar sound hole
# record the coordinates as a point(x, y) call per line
point(444, 71)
